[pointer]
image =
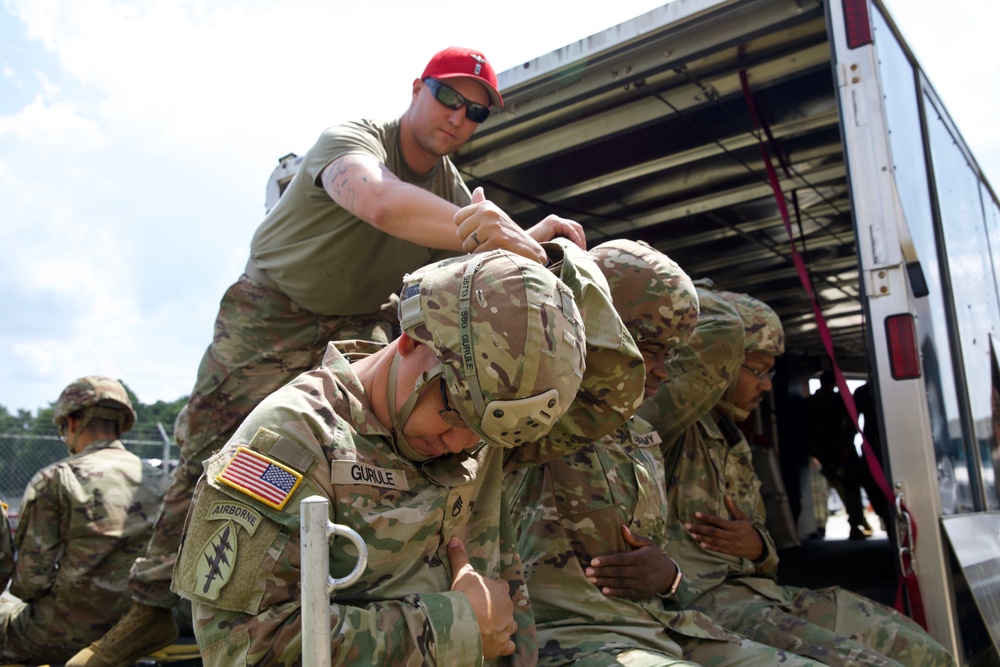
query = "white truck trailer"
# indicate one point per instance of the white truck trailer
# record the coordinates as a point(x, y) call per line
point(647, 130)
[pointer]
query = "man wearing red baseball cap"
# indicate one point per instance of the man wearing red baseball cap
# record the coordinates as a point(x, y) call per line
point(372, 201)
point(456, 62)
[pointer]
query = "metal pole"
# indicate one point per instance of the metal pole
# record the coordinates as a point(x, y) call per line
point(166, 448)
point(316, 531)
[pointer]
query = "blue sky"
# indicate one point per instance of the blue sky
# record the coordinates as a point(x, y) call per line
point(136, 139)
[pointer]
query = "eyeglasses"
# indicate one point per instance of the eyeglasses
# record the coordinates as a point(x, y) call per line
point(452, 99)
point(762, 376)
point(450, 415)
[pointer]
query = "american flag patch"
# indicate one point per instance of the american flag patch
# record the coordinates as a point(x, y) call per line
point(260, 477)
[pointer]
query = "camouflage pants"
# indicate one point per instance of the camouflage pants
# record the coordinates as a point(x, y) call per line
point(743, 653)
point(832, 626)
point(26, 637)
point(739, 652)
point(262, 340)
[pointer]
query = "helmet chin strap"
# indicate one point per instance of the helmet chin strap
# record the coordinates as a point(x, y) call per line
point(399, 419)
point(727, 405)
point(84, 421)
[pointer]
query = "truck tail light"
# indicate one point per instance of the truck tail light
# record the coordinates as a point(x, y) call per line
point(858, 23)
point(904, 359)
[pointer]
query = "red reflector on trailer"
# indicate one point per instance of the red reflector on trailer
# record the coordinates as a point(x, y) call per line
point(904, 360)
point(858, 23)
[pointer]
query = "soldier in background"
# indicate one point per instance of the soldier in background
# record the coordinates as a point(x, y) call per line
point(716, 517)
point(830, 439)
point(6, 548)
point(407, 440)
point(83, 521)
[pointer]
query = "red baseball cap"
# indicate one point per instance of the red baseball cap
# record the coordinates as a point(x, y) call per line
point(455, 62)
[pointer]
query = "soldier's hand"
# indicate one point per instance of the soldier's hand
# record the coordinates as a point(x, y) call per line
point(553, 226)
point(483, 226)
point(640, 573)
point(490, 601)
point(736, 536)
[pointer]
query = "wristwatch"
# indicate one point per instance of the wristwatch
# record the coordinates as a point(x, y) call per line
point(675, 584)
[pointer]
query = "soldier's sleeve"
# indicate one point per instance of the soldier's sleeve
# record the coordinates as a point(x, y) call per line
point(700, 373)
point(38, 539)
point(745, 485)
point(239, 564)
point(6, 547)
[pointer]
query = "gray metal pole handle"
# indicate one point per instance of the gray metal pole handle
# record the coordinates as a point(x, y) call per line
point(316, 530)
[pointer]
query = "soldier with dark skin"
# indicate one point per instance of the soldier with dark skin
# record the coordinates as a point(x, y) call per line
point(716, 518)
point(83, 521)
point(575, 512)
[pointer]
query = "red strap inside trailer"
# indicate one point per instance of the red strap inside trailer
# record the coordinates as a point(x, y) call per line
point(907, 538)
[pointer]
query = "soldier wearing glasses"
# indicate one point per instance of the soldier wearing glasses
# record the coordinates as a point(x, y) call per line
point(371, 201)
point(716, 519)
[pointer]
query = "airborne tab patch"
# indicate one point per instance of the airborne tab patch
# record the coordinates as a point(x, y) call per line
point(260, 477)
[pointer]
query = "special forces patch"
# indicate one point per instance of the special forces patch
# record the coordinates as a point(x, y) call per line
point(218, 556)
point(215, 565)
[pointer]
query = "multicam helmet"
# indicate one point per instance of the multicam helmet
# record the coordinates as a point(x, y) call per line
point(654, 297)
point(100, 397)
point(763, 330)
point(612, 386)
point(509, 338)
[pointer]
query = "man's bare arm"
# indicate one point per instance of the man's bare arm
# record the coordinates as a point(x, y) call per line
point(366, 188)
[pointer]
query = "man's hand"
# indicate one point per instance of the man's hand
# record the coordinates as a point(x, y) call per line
point(483, 226)
point(640, 573)
point(736, 536)
point(490, 601)
point(553, 226)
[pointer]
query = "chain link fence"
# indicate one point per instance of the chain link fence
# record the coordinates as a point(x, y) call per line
point(24, 454)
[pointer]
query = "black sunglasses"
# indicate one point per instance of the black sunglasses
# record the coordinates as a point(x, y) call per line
point(452, 99)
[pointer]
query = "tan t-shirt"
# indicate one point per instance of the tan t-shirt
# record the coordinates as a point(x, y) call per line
point(326, 259)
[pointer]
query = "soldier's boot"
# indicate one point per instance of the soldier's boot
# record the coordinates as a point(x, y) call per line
point(860, 532)
point(142, 630)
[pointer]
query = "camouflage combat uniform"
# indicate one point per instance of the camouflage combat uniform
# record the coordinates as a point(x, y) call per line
point(707, 459)
point(83, 521)
point(402, 610)
point(6, 547)
point(273, 325)
point(570, 510)
point(405, 512)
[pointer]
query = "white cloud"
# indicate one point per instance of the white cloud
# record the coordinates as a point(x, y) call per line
point(52, 127)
